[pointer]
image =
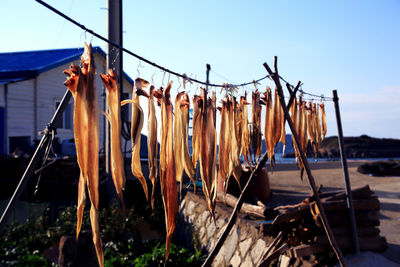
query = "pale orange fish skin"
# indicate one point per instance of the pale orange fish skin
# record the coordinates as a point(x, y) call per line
point(114, 117)
point(86, 121)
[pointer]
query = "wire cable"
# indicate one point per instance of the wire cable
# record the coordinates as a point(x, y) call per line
point(130, 52)
point(183, 76)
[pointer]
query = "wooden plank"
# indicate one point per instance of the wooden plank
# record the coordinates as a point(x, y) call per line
point(376, 243)
point(362, 231)
point(365, 204)
point(304, 250)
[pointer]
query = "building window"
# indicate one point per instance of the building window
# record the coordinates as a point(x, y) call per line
point(66, 121)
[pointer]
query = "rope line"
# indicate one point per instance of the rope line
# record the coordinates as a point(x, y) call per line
point(183, 76)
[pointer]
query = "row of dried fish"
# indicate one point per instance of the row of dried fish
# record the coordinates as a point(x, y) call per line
point(237, 137)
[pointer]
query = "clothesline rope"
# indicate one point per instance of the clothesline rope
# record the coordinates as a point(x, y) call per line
point(183, 76)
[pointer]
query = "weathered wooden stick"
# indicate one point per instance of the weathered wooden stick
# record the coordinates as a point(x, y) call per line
point(253, 210)
point(293, 95)
point(311, 180)
point(276, 242)
point(266, 261)
point(233, 217)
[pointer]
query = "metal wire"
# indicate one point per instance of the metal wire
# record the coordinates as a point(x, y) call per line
point(183, 76)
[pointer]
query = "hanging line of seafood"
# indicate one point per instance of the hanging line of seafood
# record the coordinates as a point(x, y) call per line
point(240, 138)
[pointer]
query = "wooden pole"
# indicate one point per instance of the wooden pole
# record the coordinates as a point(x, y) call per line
point(349, 196)
point(311, 180)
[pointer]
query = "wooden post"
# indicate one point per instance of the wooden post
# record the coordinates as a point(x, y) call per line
point(349, 197)
point(311, 180)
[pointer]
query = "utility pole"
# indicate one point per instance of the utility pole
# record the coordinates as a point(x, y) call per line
point(114, 59)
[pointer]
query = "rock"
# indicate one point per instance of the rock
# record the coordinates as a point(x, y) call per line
point(230, 244)
point(204, 217)
point(258, 250)
point(211, 230)
point(244, 246)
point(190, 207)
point(247, 261)
point(79, 253)
point(67, 250)
point(236, 260)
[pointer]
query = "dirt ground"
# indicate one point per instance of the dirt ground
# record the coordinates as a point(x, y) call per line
point(285, 180)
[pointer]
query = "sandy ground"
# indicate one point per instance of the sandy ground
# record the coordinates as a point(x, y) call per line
point(286, 179)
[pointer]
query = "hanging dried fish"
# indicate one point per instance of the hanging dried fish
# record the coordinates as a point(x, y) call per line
point(208, 152)
point(245, 148)
point(255, 125)
point(224, 143)
point(75, 85)
point(181, 146)
point(319, 130)
point(196, 128)
point(283, 131)
point(323, 120)
point(114, 118)
point(152, 144)
point(167, 164)
point(269, 125)
point(311, 127)
point(136, 129)
point(86, 121)
point(234, 166)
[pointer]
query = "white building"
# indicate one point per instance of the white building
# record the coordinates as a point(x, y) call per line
point(31, 87)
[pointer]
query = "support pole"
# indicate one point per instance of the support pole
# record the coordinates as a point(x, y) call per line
point(114, 60)
point(349, 197)
point(29, 171)
point(208, 66)
point(311, 180)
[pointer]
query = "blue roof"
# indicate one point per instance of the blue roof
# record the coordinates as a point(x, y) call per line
point(17, 66)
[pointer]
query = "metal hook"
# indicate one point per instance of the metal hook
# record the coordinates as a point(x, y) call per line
point(139, 66)
point(162, 82)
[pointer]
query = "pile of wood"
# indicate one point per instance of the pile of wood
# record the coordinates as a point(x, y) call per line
point(299, 233)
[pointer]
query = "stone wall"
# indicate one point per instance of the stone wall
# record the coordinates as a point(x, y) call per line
point(243, 247)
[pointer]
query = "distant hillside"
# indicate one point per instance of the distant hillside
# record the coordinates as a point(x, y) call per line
point(361, 147)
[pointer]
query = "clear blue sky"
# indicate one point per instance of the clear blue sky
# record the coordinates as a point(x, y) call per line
point(351, 46)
